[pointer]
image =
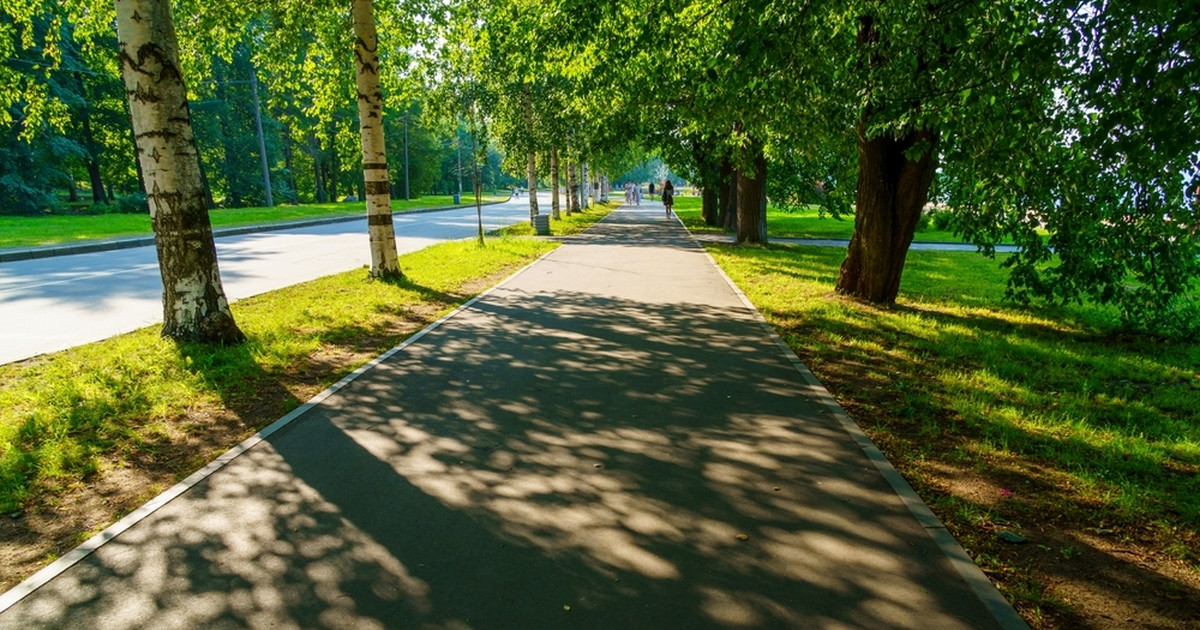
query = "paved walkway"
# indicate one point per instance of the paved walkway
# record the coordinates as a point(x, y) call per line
point(611, 439)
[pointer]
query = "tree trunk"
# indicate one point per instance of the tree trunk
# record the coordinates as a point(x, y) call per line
point(585, 186)
point(708, 205)
point(209, 202)
point(531, 175)
point(572, 192)
point(318, 168)
point(554, 213)
point(384, 263)
point(233, 193)
point(727, 196)
point(709, 180)
point(89, 143)
point(752, 199)
point(892, 190)
point(194, 304)
point(289, 164)
point(332, 166)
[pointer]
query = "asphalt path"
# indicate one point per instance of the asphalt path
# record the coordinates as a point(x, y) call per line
point(52, 304)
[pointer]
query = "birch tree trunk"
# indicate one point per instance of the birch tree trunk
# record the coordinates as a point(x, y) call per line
point(531, 174)
point(384, 263)
point(554, 211)
point(194, 304)
point(585, 186)
point(572, 193)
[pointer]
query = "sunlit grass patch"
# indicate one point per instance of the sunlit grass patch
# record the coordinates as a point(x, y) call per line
point(567, 224)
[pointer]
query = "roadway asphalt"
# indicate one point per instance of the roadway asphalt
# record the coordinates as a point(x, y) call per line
point(612, 438)
point(54, 303)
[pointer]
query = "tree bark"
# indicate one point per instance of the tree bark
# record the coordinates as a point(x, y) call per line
point(572, 192)
point(531, 177)
point(314, 151)
point(194, 304)
point(752, 199)
point(554, 211)
point(892, 190)
point(708, 206)
point(89, 143)
point(585, 186)
point(209, 202)
point(384, 263)
point(233, 193)
point(727, 196)
point(289, 164)
point(332, 166)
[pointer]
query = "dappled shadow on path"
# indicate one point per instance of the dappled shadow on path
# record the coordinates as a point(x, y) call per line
point(553, 459)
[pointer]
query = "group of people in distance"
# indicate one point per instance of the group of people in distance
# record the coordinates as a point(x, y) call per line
point(633, 194)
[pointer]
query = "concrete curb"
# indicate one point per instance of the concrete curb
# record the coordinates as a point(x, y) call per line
point(76, 555)
point(88, 247)
point(970, 572)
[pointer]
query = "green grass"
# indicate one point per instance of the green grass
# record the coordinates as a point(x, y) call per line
point(798, 224)
point(567, 224)
point(1069, 423)
point(136, 397)
point(55, 229)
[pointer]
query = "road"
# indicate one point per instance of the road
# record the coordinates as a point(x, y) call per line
point(52, 304)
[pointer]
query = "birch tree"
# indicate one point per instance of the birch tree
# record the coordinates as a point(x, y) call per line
point(194, 303)
point(384, 263)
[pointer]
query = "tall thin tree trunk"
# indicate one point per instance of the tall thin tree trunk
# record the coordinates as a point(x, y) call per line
point(233, 192)
point(209, 202)
point(331, 176)
point(318, 176)
point(194, 304)
point(572, 191)
point(89, 143)
point(585, 186)
point(554, 211)
point(531, 176)
point(384, 263)
point(752, 199)
point(289, 163)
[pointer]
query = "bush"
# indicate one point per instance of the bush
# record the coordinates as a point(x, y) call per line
point(130, 204)
point(943, 220)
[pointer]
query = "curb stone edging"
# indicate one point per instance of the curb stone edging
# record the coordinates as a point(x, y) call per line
point(983, 588)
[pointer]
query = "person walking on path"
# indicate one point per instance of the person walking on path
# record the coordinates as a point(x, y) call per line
point(668, 196)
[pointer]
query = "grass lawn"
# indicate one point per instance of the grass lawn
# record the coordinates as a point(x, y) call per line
point(567, 224)
point(1043, 422)
point(799, 224)
point(54, 229)
point(88, 434)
